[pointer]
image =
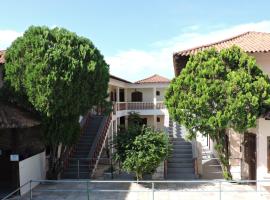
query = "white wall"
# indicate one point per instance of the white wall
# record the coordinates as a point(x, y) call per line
point(162, 94)
point(147, 94)
point(235, 155)
point(32, 168)
point(263, 132)
point(263, 60)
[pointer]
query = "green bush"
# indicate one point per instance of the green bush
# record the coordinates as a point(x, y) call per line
point(146, 152)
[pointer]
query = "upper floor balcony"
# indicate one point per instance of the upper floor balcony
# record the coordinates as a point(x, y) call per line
point(119, 106)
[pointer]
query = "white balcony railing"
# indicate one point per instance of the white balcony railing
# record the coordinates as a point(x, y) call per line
point(118, 106)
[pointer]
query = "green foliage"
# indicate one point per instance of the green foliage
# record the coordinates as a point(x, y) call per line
point(57, 71)
point(125, 136)
point(124, 140)
point(60, 75)
point(144, 151)
point(217, 91)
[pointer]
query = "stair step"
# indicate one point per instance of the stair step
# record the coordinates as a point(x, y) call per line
point(73, 161)
point(179, 150)
point(181, 170)
point(181, 142)
point(180, 165)
point(181, 155)
point(180, 160)
point(182, 146)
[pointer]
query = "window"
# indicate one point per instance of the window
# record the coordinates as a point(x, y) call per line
point(158, 119)
point(157, 93)
point(136, 96)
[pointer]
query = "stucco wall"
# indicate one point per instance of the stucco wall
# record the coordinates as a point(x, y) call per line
point(263, 133)
point(162, 94)
point(147, 94)
point(263, 60)
point(150, 121)
point(33, 168)
point(160, 125)
point(235, 154)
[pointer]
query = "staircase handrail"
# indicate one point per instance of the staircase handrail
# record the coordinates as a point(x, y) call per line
point(98, 143)
point(69, 153)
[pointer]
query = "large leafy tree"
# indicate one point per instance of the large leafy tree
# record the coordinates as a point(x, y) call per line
point(217, 91)
point(60, 75)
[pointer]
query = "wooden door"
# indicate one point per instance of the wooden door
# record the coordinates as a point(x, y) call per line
point(250, 154)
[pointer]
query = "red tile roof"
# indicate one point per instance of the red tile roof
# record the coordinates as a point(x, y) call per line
point(250, 42)
point(154, 79)
point(2, 56)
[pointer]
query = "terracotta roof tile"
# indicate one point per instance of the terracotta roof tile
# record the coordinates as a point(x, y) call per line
point(2, 56)
point(154, 79)
point(250, 42)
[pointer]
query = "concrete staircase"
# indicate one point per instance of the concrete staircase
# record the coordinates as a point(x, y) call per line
point(180, 163)
point(78, 164)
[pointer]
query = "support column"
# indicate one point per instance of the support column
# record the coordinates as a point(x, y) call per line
point(155, 97)
point(155, 105)
point(155, 122)
point(126, 121)
point(117, 94)
point(112, 132)
point(126, 98)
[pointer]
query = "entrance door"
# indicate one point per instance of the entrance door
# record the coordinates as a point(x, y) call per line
point(250, 154)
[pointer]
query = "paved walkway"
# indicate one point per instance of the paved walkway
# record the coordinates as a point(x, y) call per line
point(165, 191)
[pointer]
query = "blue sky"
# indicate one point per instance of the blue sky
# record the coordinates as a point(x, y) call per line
point(138, 37)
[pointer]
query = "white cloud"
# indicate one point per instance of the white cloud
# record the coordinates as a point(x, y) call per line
point(136, 64)
point(7, 37)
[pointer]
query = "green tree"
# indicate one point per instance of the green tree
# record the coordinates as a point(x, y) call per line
point(217, 91)
point(61, 75)
point(126, 136)
point(146, 152)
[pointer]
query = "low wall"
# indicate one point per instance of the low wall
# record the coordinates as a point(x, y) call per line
point(32, 168)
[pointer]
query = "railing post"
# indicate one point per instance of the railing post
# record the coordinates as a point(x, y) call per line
point(219, 190)
point(78, 168)
point(87, 189)
point(30, 184)
point(153, 190)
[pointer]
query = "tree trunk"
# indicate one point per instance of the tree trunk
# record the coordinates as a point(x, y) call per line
point(52, 162)
point(55, 163)
point(139, 176)
point(220, 138)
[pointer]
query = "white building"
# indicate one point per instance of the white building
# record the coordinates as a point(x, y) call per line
point(144, 97)
point(249, 152)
